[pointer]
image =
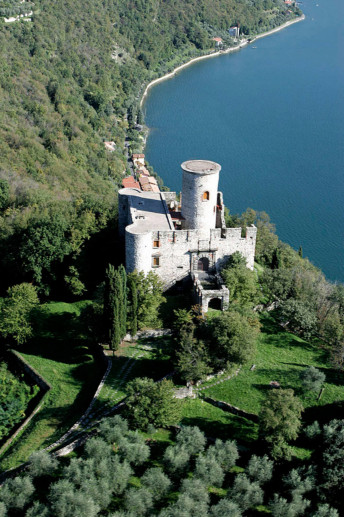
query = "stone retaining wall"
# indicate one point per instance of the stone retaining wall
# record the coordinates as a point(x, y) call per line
point(33, 374)
point(44, 386)
point(225, 406)
point(100, 352)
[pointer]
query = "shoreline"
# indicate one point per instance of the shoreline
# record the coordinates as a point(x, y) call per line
point(244, 43)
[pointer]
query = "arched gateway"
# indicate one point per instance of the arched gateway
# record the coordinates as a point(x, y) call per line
point(203, 264)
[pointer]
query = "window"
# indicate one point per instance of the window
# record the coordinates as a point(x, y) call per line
point(206, 196)
point(156, 262)
point(156, 244)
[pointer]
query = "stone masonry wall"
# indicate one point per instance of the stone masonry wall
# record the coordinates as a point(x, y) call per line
point(199, 213)
point(180, 250)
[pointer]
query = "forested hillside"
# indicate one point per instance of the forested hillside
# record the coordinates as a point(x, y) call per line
point(67, 81)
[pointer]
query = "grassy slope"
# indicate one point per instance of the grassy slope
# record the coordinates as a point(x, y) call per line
point(146, 358)
point(281, 356)
point(61, 356)
point(217, 423)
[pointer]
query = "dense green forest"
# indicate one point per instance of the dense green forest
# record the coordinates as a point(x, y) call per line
point(68, 80)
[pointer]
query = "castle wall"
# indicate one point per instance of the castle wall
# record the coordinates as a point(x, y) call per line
point(138, 250)
point(180, 250)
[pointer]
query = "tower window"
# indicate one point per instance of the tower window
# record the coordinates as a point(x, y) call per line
point(205, 196)
point(155, 261)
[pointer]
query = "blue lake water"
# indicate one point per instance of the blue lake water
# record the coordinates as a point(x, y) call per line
point(273, 117)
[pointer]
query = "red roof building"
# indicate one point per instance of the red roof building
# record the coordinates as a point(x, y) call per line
point(130, 182)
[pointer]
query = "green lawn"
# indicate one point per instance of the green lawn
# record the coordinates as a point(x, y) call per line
point(281, 356)
point(60, 354)
point(216, 423)
point(146, 358)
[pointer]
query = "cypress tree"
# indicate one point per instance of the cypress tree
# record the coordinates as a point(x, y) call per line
point(300, 252)
point(113, 299)
point(133, 309)
point(116, 323)
point(276, 259)
point(124, 297)
point(109, 299)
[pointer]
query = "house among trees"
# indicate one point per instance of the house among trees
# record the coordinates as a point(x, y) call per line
point(234, 32)
point(218, 42)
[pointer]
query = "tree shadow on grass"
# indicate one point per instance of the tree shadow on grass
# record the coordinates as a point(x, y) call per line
point(288, 379)
point(278, 336)
point(325, 413)
point(234, 427)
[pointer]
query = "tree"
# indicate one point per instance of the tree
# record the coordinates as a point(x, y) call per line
point(325, 510)
point(260, 469)
point(225, 508)
point(133, 448)
point(241, 282)
point(37, 510)
point(299, 481)
point(332, 464)
point(224, 453)
point(176, 459)
point(138, 501)
point(115, 304)
point(267, 240)
point(234, 336)
point(245, 493)
point(66, 501)
point(192, 357)
point(4, 194)
point(112, 428)
point(312, 379)
point(277, 283)
point(42, 464)
point(44, 243)
point(191, 439)
point(149, 296)
point(16, 312)
point(299, 316)
point(280, 507)
point(150, 402)
point(209, 471)
point(280, 420)
point(156, 482)
point(97, 449)
point(16, 493)
point(133, 305)
point(123, 294)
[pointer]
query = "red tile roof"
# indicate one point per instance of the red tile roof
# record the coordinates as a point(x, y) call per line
point(130, 182)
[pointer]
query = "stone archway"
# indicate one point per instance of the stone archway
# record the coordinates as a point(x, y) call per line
point(203, 264)
point(215, 303)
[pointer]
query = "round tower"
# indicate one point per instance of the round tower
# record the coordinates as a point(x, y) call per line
point(199, 194)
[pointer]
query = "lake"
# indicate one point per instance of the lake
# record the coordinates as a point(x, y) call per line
point(273, 117)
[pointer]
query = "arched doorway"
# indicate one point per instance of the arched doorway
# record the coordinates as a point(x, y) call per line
point(215, 303)
point(203, 264)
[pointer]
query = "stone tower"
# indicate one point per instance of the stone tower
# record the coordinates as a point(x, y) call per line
point(199, 194)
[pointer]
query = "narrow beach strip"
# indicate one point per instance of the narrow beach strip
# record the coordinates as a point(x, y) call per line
point(216, 54)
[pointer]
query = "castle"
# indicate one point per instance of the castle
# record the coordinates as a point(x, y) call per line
point(176, 239)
